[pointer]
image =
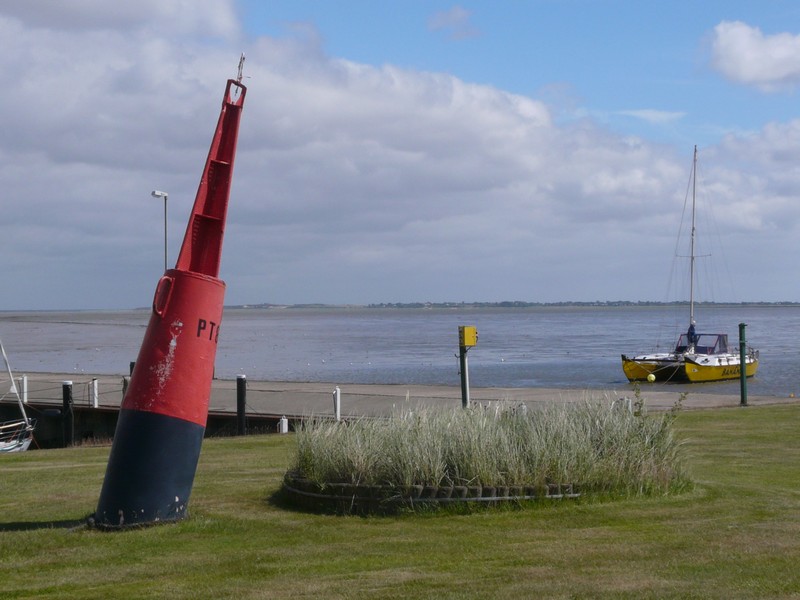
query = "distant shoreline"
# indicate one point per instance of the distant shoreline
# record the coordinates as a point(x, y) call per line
point(512, 304)
point(438, 305)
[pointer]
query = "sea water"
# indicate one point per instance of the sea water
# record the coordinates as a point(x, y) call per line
point(542, 346)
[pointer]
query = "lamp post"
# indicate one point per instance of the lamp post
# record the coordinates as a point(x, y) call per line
point(164, 195)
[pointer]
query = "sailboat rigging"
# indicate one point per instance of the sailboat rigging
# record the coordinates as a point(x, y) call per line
point(15, 435)
point(697, 357)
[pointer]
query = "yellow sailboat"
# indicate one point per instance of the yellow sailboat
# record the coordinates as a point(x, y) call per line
point(697, 357)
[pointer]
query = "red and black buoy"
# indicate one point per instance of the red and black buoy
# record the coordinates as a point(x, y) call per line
point(163, 416)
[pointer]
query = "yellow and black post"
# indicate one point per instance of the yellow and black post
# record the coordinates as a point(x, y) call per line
point(467, 338)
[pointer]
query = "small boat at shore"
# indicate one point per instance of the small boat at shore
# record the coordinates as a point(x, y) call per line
point(707, 359)
point(15, 435)
point(697, 357)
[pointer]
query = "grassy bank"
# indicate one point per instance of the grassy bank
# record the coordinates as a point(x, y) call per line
point(736, 535)
point(602, 451)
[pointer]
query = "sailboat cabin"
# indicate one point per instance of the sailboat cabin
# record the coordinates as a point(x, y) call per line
point(706, 343)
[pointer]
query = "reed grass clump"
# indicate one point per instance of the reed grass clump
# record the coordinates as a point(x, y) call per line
point(597, 448)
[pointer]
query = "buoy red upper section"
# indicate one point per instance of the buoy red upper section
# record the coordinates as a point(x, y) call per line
point(202, 243)
point(175, 366)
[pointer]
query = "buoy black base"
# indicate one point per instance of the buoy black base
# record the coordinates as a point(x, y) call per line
point(150, 471)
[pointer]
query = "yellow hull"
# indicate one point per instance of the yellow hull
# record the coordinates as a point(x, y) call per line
point(697, 373)
point(676, 368)
point(663, 368)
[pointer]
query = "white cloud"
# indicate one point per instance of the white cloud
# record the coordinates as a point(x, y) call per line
point(657, 117)
point(745, 55)
point(353, 183)
point(162, 17)
point(455, 21)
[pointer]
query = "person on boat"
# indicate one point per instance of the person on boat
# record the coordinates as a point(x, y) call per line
point(691, 335)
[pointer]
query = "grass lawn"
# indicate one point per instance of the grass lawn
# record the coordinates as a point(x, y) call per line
point(736, 535)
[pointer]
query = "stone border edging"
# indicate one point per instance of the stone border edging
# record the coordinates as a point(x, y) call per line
point(375, 498)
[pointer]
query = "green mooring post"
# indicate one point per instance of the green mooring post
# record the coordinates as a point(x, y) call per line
point(742, 365)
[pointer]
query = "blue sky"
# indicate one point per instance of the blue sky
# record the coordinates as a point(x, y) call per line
point(401, 151)
point(606, 58)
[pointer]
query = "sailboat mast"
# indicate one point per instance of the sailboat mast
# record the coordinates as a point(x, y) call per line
point(691, 246)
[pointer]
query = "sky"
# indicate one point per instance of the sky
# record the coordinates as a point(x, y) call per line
point(403, 151)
